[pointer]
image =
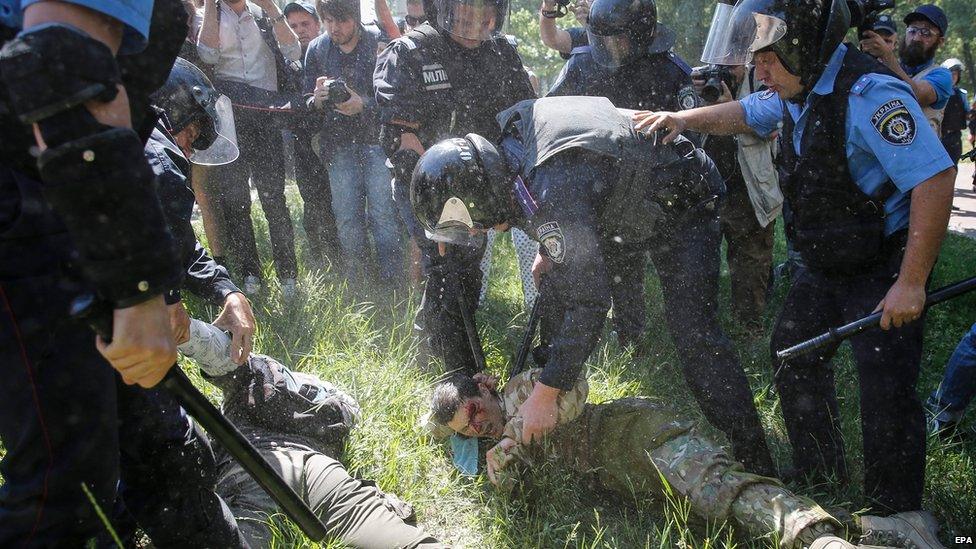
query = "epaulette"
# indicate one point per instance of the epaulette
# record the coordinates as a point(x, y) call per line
point(685, 67)
point(579, 49)
point(512, 41)
point(407, 41)
point(862, 85)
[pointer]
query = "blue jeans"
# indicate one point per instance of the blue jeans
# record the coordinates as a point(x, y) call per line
point(361, 189)
point(958, 387)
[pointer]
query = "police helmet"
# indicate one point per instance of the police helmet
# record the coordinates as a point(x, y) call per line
point(953, 64)
point(468, 19)
point(802, 33)
point(621, 31)
point(459, 185)
point(188, 97)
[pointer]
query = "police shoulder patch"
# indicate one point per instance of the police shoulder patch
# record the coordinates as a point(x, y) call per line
point(551, 236)
point(687, 98)
point(895, 123)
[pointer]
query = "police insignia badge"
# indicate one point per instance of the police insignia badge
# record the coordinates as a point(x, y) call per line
point(687, 99)
point(435, 77)
point(895, 123)
point(551, 236)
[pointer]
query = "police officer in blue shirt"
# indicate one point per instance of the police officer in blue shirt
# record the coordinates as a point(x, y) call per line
point(79, 213)
point(915, 63)
point(870, 186)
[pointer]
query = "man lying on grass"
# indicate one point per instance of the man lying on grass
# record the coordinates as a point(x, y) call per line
point(633, 445)
point(299, 423)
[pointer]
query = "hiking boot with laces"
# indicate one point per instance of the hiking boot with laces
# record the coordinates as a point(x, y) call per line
point(909, 530)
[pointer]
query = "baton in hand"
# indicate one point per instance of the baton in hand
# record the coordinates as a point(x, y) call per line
point(523, 352)
point(836, 335)
point(98, 316)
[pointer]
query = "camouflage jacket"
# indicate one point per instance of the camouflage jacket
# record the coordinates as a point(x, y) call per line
point(504, 455)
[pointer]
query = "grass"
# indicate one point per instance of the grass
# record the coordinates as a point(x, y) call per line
point(367, 349)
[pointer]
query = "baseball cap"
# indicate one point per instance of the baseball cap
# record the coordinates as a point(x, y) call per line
point(304, 6)
point(931, 13)
point(885, 23)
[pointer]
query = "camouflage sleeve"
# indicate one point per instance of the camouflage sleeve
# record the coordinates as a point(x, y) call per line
point(517, 390)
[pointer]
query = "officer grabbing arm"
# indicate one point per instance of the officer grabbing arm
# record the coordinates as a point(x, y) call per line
point(445, 78)
point(623, 188)
point(62, 80)
point(870, 188)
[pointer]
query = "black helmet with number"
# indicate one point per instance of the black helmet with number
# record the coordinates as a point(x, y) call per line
point(188, 97)
point(459, 185)
point(803, 33)
point(622, 31)
point(468, 19)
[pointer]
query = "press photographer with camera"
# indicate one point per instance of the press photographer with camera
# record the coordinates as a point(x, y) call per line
point(752, 200)
point(915, 61)
point(339, 85)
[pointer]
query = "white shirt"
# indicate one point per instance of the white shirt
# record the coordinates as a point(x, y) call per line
point(243, 55)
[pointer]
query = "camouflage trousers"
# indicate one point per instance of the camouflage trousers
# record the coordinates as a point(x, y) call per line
point(635, 446)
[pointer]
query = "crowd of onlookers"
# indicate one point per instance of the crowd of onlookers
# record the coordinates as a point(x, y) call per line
point(301, 81)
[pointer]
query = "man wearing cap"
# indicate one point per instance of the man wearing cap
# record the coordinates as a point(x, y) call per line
point(886, 27)
point(915, 63)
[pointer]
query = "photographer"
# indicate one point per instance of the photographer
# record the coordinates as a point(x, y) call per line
point(339, 79)
point(915, 62)
point(752, 200)
point(252, 51)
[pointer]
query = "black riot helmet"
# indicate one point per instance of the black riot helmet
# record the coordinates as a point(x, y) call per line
point(469, 19)
point(803, 33)
point(621, 31)
point(188, 97)
point(459, 185)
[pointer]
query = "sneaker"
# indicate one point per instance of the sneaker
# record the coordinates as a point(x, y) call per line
point(252, 284)
point(911, 530)
point(831, 542)
point(288, 287)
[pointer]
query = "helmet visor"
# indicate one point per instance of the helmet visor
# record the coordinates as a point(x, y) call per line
point(455, 226)
point(223, 149)
point(611, 51)
point(741, 30)
point(472, 19)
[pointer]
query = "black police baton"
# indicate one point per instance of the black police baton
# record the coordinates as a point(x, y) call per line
point(835, 335)
point(523, 352)
point(98, 316)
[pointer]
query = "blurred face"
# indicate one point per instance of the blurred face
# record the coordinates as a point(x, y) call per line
point(342, 31)
point(185, 138)
point(955, 77)
point(922, 39)
point(472, 20)
point(480, 417)
point(304, 25)
point(415, 15)
point(774, 75)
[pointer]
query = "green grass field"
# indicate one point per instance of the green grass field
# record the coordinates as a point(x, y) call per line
point(367, 349)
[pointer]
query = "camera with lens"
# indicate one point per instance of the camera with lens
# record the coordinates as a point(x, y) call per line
point(338, 93)
point(864, 13)
point(714, 76)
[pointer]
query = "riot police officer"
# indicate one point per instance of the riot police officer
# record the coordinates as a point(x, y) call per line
point(623, 188)
point(630, 62)
point(78, 213)
point(870, 188)
point(446, 78)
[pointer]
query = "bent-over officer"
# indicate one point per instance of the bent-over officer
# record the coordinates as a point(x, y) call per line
point(446, 78)
point(623, 188)
point(870, 187)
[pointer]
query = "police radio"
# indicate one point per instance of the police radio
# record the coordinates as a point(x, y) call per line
point(864, 13)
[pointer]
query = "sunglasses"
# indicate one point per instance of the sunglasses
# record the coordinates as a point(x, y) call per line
point(921, 31)
point(414, 21)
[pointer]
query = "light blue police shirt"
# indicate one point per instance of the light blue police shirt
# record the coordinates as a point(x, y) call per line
point(884, 137)
point(134, 14)
point(940, 78)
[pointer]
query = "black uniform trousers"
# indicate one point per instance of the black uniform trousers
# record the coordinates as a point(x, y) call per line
point(262, 159)
point(67, 420)
point(892, 420)
point(313, 184)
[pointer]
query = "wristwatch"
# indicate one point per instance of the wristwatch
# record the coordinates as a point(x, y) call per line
point(278, 19)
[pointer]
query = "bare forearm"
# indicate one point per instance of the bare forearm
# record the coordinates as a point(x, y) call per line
point(209, 34)
point(931, 203)
point(552, 36)
point(385, 19)
point(722, 119)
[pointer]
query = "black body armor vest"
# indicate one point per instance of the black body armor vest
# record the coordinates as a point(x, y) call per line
point(835, 226)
